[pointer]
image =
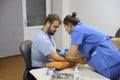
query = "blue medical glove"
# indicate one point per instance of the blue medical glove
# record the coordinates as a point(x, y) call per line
point(63, 51)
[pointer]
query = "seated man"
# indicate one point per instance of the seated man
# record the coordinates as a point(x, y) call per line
point(43, 47)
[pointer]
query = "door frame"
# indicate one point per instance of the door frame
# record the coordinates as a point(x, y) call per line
point(30, 29)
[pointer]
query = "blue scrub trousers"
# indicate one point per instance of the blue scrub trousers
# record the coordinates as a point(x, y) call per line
point(114, 72)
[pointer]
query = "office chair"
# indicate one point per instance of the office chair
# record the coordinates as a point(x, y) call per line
point(25, 49)
point(117, 33)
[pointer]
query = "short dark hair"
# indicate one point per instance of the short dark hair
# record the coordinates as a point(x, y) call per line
point(71, 19)
point(52, 17)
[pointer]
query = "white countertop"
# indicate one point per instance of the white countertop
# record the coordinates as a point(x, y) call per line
point(85, 72)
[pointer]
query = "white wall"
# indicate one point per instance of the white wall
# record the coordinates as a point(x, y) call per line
point(32, 32)
point(104, 14)
point(62, 39)
point(11, 29)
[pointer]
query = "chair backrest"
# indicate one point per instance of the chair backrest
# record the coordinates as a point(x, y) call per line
point(25, 49)
point(117, 33)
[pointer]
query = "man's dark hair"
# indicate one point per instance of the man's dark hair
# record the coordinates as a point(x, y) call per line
point(52, 17)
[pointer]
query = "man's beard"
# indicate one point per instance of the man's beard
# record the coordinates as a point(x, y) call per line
point(49, 31)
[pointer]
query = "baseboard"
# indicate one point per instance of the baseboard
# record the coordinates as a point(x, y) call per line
point(10, 56)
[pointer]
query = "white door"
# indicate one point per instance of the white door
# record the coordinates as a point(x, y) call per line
point(34, 14)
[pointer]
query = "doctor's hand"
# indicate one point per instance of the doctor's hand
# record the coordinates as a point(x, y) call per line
point(63, 51)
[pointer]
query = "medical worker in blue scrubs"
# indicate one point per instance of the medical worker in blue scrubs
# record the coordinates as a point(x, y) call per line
point(95, 45)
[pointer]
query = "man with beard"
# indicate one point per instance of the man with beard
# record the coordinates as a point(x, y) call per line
point(43, 47)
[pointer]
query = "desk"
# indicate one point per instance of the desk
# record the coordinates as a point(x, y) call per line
point(86, 73)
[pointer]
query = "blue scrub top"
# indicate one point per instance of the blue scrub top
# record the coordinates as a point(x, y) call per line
point(96, 46)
